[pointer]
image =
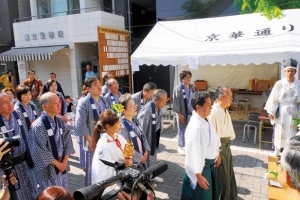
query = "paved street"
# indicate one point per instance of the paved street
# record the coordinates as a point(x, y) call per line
point(250, 165)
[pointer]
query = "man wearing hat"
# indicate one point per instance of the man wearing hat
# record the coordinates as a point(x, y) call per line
point(283, 105)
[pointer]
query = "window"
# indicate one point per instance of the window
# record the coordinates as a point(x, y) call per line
point(57, 7)
point(0, 24)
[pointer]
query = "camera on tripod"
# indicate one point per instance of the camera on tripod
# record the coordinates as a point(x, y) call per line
point(132, 180)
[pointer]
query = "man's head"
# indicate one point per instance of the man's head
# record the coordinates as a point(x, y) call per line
point(160, 98)
point(289, 171)
point(290, 68)
point(6, 104)
point(50, 103)
point(52, 76)
point(185, 76)
point(201, 103)
point(149, 89)
point(224, 96)
point(113, 85)
point(88, 68)
point(92, 85)
point(108, 76)
point(31, 74)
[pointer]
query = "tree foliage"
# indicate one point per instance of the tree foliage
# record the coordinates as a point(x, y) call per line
point(269, 8)
point(195, 9)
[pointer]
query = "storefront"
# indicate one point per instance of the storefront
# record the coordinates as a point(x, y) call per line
point(61, 44)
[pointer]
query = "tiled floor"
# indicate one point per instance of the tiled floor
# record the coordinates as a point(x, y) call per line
point(249, 162)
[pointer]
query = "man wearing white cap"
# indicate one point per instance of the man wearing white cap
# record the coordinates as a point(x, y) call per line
point(283, 105)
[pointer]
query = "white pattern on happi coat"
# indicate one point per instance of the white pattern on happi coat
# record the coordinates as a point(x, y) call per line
point(27, 180)
point(145, 123)
point(39, 144)
point(84, 125)
point(287, 97)
point(108, 99)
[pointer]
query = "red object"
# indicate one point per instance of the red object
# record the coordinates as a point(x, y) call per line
point(254, 84)
point(117, 141)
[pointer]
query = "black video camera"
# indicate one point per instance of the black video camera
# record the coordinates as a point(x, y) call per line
point(6, 163)
point(132, 180)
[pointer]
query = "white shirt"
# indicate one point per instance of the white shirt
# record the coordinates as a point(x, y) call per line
point(110, 151)
point(222, 122)
point(202, 142)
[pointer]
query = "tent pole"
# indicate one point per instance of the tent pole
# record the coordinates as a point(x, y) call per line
point(279, 70)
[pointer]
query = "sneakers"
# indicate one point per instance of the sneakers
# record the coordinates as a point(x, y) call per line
point(181, 151)
point(158, 180)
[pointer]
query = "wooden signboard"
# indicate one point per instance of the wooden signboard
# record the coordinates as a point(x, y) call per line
point(114, 55)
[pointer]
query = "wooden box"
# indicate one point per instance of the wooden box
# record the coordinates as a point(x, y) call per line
point(233, 106)
point(273, 81)
point(262, 85)
point(202, 85)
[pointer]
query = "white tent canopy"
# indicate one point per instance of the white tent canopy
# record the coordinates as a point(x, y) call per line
point(240, 39)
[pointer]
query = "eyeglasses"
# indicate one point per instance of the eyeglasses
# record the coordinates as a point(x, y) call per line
point(10, 100)
point(132, 106)
point(115, 84)
point(164, 102)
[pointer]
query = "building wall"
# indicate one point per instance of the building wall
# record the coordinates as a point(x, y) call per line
point(81, 53)
point(24, 8)
point(59, 64)
point(77, 28)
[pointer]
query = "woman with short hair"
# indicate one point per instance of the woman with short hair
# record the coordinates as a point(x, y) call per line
point(182, 106)
point(52, 87)
point(25, 106)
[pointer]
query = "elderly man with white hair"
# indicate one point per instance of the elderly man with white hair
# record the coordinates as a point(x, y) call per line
point(51, 144)
point(113, 95)
point(289, 171)
point(283, 105)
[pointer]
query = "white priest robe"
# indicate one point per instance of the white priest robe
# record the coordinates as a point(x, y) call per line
point(202, 142)
point(108, 149)
point(287, 97)
point(222, 122)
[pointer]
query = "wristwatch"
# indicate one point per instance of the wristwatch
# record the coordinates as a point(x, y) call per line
point(5, 187)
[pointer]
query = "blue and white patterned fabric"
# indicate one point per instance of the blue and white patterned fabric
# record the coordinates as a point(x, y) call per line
point(65, 106)
point(188, 93)
point(104, 90)
point(84, 125)
point(28, 110)
point(27, 180)
point(80, 140)
point(39, 144)
point(145, 122)
point(126, 134)
point(108, 99)
point(137, 98)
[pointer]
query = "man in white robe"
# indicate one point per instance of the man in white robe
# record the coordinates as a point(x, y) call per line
point(202, 152)
point(221, 120)
point(283, 105)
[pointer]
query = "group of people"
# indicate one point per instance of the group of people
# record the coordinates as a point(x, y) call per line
point(103, 130)
point(104, 120)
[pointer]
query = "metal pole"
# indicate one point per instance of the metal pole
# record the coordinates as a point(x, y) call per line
point(130, 40)
point(113, 6)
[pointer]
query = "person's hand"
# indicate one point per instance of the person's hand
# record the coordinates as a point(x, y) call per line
point(218, 161)
point(62, 166)
point(124, 196)
point(271, 116)
point(39, 97)
point(2, 147)
point(32, 121)
point(202, 182)
point(92, 146)
point(181, 118)
point(127, 161)
point(12, 180)
point(144, 158)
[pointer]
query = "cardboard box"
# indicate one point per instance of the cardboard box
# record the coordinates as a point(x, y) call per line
point(200, 85)
point(273, 81)
point(233, 106)
point(262, 85)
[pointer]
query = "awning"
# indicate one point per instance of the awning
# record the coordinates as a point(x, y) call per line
point(30, 53)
